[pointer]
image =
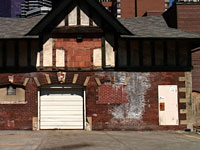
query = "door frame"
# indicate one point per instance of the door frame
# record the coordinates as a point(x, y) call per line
point(54, 86)
point(177, 96)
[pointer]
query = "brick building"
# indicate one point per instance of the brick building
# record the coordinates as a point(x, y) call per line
point(79, 67)
point(119, 8)
point(138, 8)
point(184, 14)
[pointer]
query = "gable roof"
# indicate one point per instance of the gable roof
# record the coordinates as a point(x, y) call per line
point(17, 27)
point(90, 7)
point(153, 27)
point(141, 27)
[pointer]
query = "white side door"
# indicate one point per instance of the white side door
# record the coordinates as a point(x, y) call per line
point(168, 105)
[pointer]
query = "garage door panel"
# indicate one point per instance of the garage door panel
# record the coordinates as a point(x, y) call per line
point(61, 127)
point(66, 112)
point(63, 98)
point(61, 109)
point(61, 120)
point(58, 103)
point(61, 116)
point(62, 123)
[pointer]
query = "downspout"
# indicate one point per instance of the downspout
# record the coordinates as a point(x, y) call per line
point(136, 13)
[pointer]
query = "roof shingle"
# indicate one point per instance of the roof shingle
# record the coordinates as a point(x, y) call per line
point(153, 27)
point(17, 27)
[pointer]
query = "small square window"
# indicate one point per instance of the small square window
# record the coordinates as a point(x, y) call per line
point(11, 90)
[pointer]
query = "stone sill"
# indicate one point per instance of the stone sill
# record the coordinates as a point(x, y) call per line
point(12, 102)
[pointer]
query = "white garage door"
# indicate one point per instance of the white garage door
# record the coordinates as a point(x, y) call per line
point(61, 109)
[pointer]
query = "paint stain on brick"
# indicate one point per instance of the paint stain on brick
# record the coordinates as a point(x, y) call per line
point(136, 90)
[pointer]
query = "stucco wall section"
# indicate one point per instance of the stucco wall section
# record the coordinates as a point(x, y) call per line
point(196, 110)
point(48, 53)
point(110, 55)
point(60, 58)
point(97, 57)
point(62, 23)
point(84, 19)
point(20, 95)
point(38, 59)
point(73, 17)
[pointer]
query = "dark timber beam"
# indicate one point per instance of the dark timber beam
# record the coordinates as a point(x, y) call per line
point(16, 51)
point(153, 57)
point(177, 51)
point(67, 20)
point(29, 53)
point(103, 52)
point(189, 54)
point(128, 46)
point(116, 49)
point(165, 57)
point(141, 62)
point(78, 16)
point(90, 16)
point(4, 53)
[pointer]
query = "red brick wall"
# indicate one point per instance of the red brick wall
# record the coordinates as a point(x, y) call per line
point(20, 116)
point(78, 54)
point(184, 16)
point(188, 17)
point(150, 5)
point(128, 7)
point(113, 94)
point(196, 71)
point(164, 78)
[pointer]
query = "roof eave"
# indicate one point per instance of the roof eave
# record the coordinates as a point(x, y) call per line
point(151, 37)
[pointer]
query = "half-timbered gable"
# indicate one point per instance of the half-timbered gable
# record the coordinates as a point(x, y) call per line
point(89, 38)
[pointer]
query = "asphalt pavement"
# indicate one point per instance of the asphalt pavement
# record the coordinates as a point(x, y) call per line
point(98, 140)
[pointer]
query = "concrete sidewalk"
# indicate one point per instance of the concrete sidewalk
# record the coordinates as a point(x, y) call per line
point(102, 140)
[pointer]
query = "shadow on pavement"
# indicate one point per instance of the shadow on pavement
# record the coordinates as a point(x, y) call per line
point(69, 147)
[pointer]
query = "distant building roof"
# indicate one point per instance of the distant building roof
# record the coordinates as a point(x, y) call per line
point(153, 27)
point(17, 27)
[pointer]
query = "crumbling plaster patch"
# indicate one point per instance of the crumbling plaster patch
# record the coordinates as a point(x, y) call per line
point(136, 90)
